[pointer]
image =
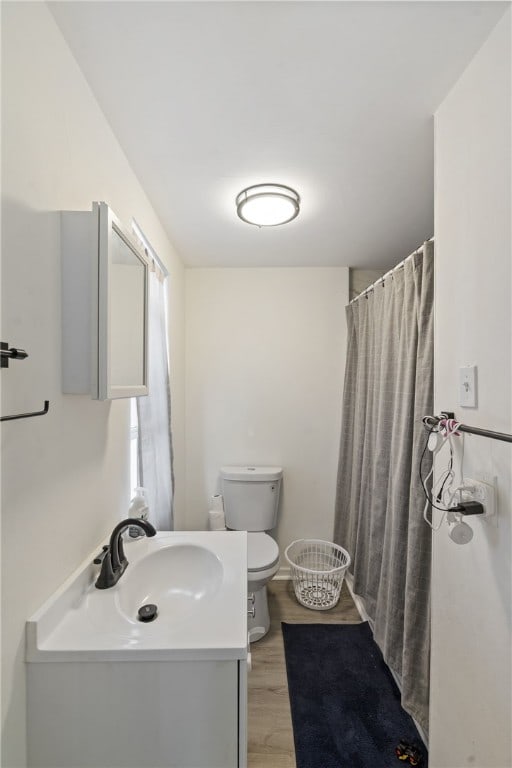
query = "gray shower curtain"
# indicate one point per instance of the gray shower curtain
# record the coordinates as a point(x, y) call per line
point(379, 499)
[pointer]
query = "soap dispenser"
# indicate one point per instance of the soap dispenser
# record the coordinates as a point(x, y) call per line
point(138, 508)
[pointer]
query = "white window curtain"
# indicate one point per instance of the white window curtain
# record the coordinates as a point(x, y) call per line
point(155, 454)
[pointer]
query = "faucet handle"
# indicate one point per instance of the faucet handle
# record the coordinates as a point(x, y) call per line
point(99, 558)
point(106, 578)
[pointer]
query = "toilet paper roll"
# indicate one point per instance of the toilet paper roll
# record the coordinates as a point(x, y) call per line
point(217, 502)
point(216, 520)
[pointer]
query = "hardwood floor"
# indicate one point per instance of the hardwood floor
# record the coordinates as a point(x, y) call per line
point(270, 742)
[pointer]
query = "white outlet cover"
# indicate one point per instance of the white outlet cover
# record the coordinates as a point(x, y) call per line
point(467, 386)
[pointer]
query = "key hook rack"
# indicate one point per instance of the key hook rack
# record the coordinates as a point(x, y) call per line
point(13, 353)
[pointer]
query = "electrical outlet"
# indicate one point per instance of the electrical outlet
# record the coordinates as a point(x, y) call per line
point(483, 491)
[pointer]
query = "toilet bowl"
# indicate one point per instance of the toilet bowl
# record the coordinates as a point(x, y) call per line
point(251, 499)
point(262, 565)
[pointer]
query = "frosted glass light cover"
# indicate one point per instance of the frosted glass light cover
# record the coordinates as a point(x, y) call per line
point(268, 205)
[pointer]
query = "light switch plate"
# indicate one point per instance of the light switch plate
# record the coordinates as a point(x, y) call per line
point(467, 386)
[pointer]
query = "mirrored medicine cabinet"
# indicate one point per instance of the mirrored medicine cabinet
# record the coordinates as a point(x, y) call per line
point(104, 306)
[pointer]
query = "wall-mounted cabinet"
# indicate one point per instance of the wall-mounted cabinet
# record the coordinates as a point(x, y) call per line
point(104, 306)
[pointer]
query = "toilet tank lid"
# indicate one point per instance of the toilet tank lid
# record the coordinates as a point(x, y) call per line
point(248, 473)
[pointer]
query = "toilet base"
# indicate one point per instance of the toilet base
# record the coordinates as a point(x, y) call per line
point(259, 625)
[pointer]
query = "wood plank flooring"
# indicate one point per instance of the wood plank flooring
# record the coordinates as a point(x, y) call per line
point(270, 738)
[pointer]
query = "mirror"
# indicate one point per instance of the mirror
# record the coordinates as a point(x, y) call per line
point(127, 322)
point(122, 311)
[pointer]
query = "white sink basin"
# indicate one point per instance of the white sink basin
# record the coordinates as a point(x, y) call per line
point(197, 580)
point(177, 579)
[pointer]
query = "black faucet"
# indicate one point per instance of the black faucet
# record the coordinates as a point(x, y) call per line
point(113, 560)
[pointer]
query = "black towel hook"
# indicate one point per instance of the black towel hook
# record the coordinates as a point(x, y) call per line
point(7, 354)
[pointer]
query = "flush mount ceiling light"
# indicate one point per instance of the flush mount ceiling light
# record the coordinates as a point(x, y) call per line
point(267, 205)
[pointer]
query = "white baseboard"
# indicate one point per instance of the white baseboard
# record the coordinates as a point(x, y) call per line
point(283, 573)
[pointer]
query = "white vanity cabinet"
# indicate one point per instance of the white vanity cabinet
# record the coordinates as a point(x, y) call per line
point(139, 714)
point(105, 690)
point(104, 306)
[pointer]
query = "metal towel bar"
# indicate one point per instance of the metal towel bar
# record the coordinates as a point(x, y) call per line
point(28, 415)
point(503, 436)
point(14, 353)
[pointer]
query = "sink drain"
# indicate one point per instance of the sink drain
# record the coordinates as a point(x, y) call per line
point(148, 612)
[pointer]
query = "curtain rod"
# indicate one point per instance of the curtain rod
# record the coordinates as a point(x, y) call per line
point(389, 272)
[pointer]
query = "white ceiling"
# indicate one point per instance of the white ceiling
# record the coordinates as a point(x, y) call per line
point(333, 98)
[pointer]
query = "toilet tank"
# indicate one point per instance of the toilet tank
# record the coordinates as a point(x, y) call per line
point(251, 497)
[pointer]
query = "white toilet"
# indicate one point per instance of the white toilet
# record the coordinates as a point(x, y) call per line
point(251, 498)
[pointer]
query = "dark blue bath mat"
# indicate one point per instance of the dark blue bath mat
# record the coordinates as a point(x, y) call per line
point(346, 709)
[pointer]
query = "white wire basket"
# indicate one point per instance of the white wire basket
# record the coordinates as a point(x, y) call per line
point(318, 568)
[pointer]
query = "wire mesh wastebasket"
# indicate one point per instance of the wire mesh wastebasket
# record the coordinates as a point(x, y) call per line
point(317, 569)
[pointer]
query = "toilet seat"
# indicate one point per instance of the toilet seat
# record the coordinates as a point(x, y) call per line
point(262, 551)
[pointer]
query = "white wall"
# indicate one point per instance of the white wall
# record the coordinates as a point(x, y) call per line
point(65, 476)
point(265, 352)
point(471, 606)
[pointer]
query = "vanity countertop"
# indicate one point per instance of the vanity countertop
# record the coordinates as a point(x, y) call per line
point(197, 579)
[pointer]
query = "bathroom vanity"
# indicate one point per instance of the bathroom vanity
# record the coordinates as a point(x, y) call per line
point(105, 689)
